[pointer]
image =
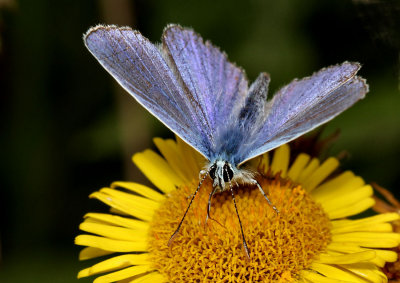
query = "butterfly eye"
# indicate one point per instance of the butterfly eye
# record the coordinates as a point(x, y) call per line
point(228, 173)
point(212, 171)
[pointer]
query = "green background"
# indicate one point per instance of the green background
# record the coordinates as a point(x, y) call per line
point(68, 130)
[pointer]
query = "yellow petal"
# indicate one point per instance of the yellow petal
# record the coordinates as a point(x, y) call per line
point(372, 220)
point(113, 232)
point(117, 211)
point(344, 247)
point(137, 201)
point(153, 277)
point(140, 189)
point(381, 227)
point(110, 245)
point(346, 200)
point(340, 191)
point(187, 150)
point(193, 159)
point(352, 210)
point(378, 261)
point(254, 163)
point(157, 170)
point(280, 162)
point(298, 165)
point(315, 277)
point(336, 273)
point(343, 183)
point(310, 168)
point(172, 155)
point(127, 203)
point(118, 220)
point(386, 255)
point(347, 258)
point(321, 173)
point(123, 274)
point(264, 163)
point(90, 252)
point(115, 263)
point(366, 270)
point(369, 239)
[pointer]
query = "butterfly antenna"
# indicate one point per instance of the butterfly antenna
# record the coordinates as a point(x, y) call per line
point(187, 209)
point(265, 196)
point(240, 222)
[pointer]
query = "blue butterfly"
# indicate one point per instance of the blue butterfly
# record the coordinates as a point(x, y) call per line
point(191, 87)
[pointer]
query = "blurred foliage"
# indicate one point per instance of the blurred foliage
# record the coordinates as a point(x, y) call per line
point(60, 130)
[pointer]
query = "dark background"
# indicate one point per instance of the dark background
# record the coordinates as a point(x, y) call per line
point(67, 129)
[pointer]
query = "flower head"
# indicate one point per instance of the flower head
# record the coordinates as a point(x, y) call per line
point(309, 240)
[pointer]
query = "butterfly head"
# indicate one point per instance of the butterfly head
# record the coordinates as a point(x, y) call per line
point(221, 172)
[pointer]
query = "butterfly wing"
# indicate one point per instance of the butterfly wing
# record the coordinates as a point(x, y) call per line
point(304, 105)
point(140, 68)
point(217, 85)
point(194, 90)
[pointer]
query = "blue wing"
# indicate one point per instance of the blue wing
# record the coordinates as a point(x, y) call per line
point(193, 89)
point(140, 68)
point(219, 87)
point(188, 84)
point(302, 106)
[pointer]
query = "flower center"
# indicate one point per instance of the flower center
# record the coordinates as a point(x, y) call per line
point(280, 245)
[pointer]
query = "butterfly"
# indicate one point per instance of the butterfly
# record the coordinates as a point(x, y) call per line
point(192, 88)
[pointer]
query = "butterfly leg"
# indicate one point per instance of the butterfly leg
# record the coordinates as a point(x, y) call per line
point(240, 222)
point(187, 209)
point(265, 196)
point(201, 176)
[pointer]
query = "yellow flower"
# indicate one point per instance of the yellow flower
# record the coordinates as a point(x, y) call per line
point(311, 239)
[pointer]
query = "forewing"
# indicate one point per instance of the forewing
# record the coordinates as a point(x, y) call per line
point(141, 70)
point(219, 86)
point(305, 104)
